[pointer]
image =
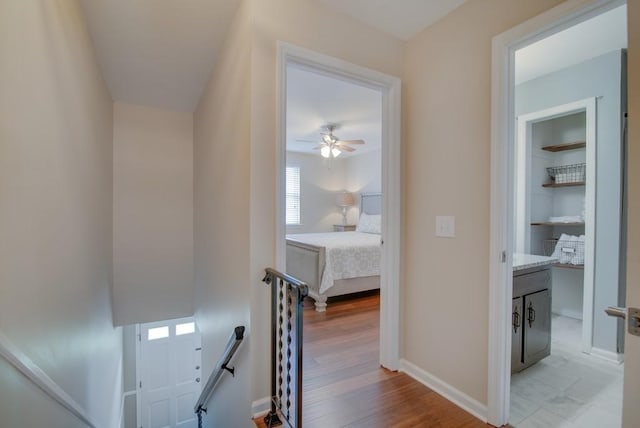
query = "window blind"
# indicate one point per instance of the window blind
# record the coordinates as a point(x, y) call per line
point(293, 194)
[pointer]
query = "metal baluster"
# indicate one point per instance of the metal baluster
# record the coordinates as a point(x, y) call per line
point(293, 290)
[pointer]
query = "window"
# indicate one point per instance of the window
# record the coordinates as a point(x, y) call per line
point(158, 333)
point(293, 194)
point(186, 328)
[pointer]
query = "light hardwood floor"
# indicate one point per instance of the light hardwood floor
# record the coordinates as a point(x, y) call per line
point(344, 385)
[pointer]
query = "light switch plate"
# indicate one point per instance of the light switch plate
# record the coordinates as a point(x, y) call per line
point(446, 226)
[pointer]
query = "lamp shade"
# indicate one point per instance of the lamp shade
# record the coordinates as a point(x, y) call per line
point(345, 199)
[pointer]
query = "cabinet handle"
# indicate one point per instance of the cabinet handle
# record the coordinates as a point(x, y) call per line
point(531, 314)
point(515, 321)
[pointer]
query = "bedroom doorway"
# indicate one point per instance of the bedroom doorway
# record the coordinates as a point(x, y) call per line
point(339, 157)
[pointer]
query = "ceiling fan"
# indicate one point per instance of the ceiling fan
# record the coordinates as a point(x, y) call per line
point(331, 146)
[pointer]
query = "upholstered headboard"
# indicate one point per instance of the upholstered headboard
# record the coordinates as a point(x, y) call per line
point(371, 203)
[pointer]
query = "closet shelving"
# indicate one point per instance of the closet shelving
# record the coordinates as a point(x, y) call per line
point(573, 145)
point(558, 224)
point(576, 183)
point(565, 146)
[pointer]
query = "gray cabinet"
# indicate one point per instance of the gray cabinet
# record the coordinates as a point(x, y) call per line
point(531, 317)
point(537, 326)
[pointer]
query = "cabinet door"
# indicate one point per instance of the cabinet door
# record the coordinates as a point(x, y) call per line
point(516, 334)
point(537, 326)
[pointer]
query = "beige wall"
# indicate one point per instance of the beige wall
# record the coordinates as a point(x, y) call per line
point(631, 411)
point(221, 174)
point(447, 107)
point(55, 216)
point(152, 214)
point(235, 171)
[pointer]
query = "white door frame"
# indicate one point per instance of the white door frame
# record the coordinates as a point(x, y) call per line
point(525, 122)
point(138, 339)
point(504, 47)
point(390, 87)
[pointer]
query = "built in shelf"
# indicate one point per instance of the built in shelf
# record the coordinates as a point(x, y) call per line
point(549, 223)
point(566, 146)
point(575, 183)
point(568, 266)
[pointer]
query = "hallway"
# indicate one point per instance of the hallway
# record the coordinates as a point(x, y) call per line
point(344, 385)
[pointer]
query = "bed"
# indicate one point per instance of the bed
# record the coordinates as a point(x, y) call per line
point(337, 263)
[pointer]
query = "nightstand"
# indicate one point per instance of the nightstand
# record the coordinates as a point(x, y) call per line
point(344, 227)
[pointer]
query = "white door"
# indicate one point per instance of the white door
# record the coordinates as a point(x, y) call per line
point(169, 373)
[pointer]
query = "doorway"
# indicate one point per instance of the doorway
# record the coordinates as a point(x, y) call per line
point(168, 372)
point(389, 226)
point(533, 208)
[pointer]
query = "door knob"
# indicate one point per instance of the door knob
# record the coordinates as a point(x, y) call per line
point(631, 314)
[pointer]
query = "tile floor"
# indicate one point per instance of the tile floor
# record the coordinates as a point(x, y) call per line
point(568, 389)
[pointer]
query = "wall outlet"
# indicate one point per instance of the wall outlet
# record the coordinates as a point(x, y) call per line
point(446, 226)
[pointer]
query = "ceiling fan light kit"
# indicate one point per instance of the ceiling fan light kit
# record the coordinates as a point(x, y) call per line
point(331, 146)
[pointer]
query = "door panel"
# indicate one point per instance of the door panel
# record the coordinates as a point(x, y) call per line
point(537, 325)
point(169, 372)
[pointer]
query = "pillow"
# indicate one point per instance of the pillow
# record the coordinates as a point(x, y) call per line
point(369, 223)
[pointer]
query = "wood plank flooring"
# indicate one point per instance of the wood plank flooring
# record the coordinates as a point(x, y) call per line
point(344, 385)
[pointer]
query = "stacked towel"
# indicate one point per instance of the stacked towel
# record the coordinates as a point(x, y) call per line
point(569, 250)
point(567, 219)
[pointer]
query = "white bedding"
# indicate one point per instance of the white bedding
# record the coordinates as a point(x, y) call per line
point(347, 254)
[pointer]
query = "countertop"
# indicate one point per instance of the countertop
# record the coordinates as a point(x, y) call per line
point(525, 261)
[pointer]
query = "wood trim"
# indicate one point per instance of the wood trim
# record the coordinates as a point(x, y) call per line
point(567, 266)
point(555, 224)
point(390, 87)
point(612, 357)
point(261, 407)
point(18, 359)
point(444, 389)
point(572, 184)
point(565, 146)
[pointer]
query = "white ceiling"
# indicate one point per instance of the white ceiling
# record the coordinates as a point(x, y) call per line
point(313, 100)
point(604, 33)
point(161, 53)
point(400, 18)
point(158, 52)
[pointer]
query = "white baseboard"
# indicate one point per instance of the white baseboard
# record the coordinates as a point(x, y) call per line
point(124, 398)
point(610, 356)
point(39, 378)
point(569, 313)
point(452, 394)
point(260, 407)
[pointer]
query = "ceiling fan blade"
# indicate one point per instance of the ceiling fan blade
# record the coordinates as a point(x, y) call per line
point(306, 141)
point(326, 138)
point(318, 147)
point(345, 149)
point(351, 141)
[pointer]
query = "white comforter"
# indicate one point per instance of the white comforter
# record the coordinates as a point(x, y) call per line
point(347, 254)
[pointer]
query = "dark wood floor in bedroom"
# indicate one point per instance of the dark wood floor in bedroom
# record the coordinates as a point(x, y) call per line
point(344, 385)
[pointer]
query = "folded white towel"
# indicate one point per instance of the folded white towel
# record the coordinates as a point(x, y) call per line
point(566, 219)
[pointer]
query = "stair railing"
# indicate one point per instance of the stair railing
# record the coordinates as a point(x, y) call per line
point(287, 294)
point(223, 364)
